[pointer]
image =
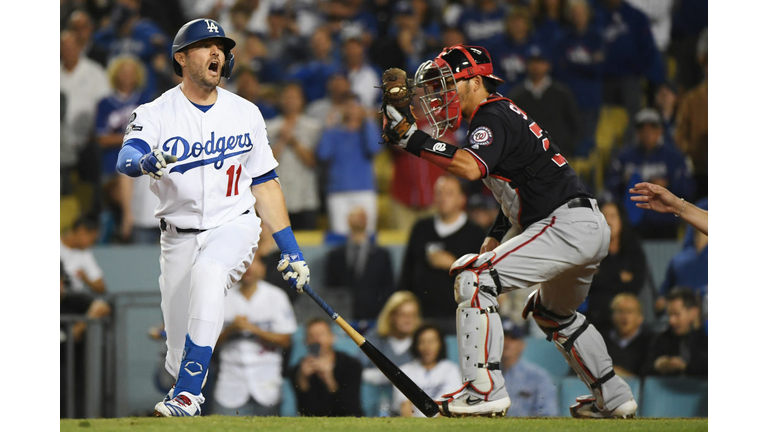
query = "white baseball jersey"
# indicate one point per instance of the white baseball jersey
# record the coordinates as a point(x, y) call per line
point(219, 152)
point(75, 260)
point(248, 367)
point(441, 379)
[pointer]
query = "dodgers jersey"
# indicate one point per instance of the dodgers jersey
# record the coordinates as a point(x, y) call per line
point(219, 153)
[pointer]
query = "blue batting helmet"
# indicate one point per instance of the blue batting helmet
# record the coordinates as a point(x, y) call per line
point(201, 29)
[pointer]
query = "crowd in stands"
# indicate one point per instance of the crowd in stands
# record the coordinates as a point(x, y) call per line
point(620, 84)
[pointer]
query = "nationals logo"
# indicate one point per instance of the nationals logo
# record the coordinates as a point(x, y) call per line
point(480, 137)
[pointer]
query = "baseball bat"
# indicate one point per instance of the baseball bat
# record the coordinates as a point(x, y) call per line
point(410, 390)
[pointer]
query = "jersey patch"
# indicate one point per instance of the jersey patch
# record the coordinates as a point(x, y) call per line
point(133, 117)
point(482, 136)
point(132, 127)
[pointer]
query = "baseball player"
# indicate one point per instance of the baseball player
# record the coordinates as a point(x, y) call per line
point(207, 153)
point(549, 232)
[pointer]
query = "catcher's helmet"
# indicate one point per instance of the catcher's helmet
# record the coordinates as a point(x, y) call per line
point(438, 77)
point(201, 29)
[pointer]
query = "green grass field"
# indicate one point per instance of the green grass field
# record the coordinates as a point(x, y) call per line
point(219, 423)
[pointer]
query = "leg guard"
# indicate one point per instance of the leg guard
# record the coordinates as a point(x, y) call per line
point(584, 350)
point(480, 336)
point(194, 368)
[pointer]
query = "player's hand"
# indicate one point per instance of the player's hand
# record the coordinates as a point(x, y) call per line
point(489, 244)
point(654, 197)
point(153, 162)
point(397, 128)
point(294, 270)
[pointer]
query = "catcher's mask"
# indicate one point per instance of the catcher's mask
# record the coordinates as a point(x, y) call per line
point(439, 77)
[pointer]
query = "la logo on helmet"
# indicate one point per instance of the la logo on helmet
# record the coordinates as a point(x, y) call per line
point(212, 27)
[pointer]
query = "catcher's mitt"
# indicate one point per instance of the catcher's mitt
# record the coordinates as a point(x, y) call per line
point(398, 93)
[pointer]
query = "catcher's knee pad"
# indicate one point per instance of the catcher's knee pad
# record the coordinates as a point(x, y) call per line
point(468, 269)
point(579, 342)
point(480, 339)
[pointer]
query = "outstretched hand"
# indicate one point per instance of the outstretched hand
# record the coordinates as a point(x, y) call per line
point(654, 197)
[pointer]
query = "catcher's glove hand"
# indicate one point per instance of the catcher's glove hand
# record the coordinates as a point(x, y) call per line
point(398, 93)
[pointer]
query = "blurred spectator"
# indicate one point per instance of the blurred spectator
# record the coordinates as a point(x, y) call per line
point(258, 324)
point(682, 348)
point(623, 270)
point(293, 136)
point(329, 109)
point(665, 101)
point(234, 17)
point(214, 9)
point(688, 268)
point(137, 209)
point(363, 76)
point(167, 14)
point(347, 152)
point(692, 124)
point(659, 13)
point(257, 58)
point(433, 245)
point(550, 102)
point(83, 84)
point(315, 72)
point(128, 33)
point(509, 58)
point(127, 77)
point(549, 20)
point(650, 161)
point(628, 340)
point(396, 324)
point(530, 387)
point(413, 179)
point(81, 24)
point(482, 210)
point(248, 87)
point(80, 265)
point(86, 305)
point(689, 18)
point(283, 43)
point(631, 55)
point(361, 268)
point(578, 62)
point(482, 22)
point(430, 369)
point(326, 382)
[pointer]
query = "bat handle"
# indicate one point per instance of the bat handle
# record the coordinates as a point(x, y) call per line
point(329, 310)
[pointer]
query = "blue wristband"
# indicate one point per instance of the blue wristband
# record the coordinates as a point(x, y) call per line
point(286, 241)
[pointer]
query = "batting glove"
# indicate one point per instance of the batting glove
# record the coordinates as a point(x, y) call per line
point(294, 270)
point(397, 128)
point(151, 163)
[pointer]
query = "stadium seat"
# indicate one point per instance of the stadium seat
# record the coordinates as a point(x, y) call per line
point(288, 405)
point(674, 397)
point(572, 387)
point(543, 353)
point(452, 348)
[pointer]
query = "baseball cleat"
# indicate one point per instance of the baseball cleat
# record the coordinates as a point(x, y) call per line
point(169, 396)
point(183, 405)
point(586, 407)
point(465, 404)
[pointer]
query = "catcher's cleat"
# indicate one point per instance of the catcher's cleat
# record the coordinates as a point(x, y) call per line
point(183, 405)
point(467, 404)
point(586, 407)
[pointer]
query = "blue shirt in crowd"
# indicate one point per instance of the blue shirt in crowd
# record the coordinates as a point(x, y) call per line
point(636, 164)
point(688, 268)
point(630, 48)
point(509, 62)
point(486, 29)
point(313, 77)
point(349, 156)
point(112, 116)
point(531, 390)
point(578, 62)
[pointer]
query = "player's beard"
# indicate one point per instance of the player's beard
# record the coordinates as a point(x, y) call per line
point(199, 75)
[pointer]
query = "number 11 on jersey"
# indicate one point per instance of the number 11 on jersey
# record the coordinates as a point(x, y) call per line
point(233, 177)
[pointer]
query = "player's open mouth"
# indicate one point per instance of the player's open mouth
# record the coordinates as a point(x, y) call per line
point(214, 67)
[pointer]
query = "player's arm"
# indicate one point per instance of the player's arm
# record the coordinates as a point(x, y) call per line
point(454, 160)
point(270, 205)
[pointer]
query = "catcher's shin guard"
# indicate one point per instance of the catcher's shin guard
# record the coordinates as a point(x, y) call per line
point(584, 350)
point(480, 336)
